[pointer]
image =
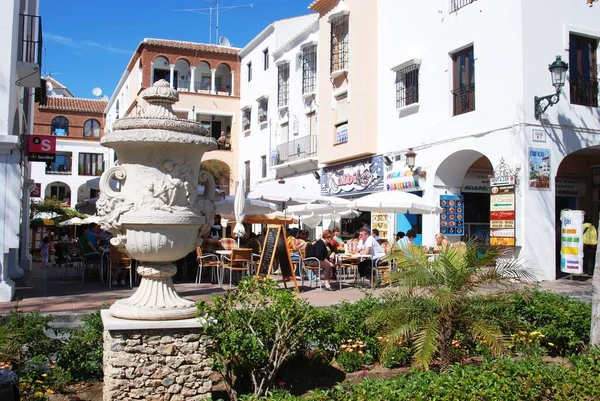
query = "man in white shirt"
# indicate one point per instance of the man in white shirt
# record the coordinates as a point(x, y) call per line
point(367, 245)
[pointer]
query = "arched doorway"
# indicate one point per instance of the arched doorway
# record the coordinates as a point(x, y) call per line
point(577, 187)
point(59, 190)
point(221, 172)
point(466, 173)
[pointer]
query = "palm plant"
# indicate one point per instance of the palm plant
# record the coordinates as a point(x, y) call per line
point(432, 298)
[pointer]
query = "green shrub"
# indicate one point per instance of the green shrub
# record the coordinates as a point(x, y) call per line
point(41, 377)
point(396, 355)
point(565, 322)
point(81, 355)
point(353, 355)
point(256, 327)
point(504, 379)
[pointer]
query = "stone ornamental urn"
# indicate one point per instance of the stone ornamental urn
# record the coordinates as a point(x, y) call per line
point(158, 215)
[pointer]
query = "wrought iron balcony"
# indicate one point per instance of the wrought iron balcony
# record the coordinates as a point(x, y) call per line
point(584, 90)
point(464, 99)
point(29, 62)
point(297, 149)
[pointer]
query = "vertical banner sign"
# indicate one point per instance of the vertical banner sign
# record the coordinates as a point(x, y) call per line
point(571, 241)
point(41, 148)
point(452, 218)
point(380, 222)
point(36, 192)
point(502, 211)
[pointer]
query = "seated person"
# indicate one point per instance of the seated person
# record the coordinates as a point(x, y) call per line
point(321, 252)
point(253, 244)
point(91, 253)
point(441, 243)
point(368, 246)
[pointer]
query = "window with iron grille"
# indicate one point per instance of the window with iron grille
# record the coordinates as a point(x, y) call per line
point(246, 119)
point(583, 76)
point(59, 126)
point(456, 5)
point(464, 81)
point(340, 44)
point(263, 107)
point(309, 69)
point(407, 86)
point(266, 59)
point(263, 166)
point(283, 75)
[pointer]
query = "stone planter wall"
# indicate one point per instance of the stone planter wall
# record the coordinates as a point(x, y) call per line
point(160, 364)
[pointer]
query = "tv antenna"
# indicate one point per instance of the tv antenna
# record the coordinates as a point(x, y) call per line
point(216, 9)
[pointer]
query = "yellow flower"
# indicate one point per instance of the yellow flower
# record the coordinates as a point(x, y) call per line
point(38, 394)
point(360, 352)
point(550, 344)
point(44, 375)
point(39, 381)
point(49, 391)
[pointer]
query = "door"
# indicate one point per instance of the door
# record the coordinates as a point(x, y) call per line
point(216, 129)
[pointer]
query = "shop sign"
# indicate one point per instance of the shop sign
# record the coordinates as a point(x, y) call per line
point(476, 183)
point(538, 135)
point(402, 181)
point(504, 202)
point(570, 187)
point(510, 215)
point(502, 224)
point(502, 232)
point(41, 148)
point(502, 241)
point(502, 180)
point(354, 177)
point(452, 218)
point(539, 168)
point(342, 134)
point(36, 192)
point(571, 241)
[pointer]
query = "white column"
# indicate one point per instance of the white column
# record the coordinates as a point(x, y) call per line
point(25, 261)
point(232, 82)
point(171, 74)
point(192, 79)
point(212, 80)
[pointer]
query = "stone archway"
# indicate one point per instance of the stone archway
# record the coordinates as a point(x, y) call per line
point(221, 172)
point(59, 190)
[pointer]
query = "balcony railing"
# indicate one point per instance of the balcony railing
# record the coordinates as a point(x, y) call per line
point(202, 85)
point(584, 90)
point(223, 89)
point(456, 5)
point(297, 149)
point(183, 85)
point(58, 170)
point(30, 50)
point(464, 99)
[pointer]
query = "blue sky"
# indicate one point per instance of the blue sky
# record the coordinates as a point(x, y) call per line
point(89, 43)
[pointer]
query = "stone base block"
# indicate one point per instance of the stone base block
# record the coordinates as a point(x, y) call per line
point(152, 360)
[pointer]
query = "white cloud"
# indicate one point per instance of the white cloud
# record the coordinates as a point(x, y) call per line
point(63, 40)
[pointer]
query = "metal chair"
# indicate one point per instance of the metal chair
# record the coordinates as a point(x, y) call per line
point(241, 260)
point(206, 260)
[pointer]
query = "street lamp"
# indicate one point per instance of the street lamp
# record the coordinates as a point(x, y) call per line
point(558, 72)
point(410, 159)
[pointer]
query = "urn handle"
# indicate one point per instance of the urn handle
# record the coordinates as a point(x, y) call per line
point(119, 173)
point(206, 179)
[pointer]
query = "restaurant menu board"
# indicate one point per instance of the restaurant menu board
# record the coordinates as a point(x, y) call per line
point(502, 214)
point(452, 218)
point(571, 241)
point(380, 221)
point(275, 248)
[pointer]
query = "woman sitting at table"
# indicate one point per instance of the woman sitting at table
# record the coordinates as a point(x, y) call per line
point(323, 253)
point(441, 243)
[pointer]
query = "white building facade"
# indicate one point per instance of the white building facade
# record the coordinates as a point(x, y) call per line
point(279, 105)
point(21, 51)
point(461, 92)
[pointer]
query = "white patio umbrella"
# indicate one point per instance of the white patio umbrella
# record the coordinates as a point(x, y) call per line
point(394, 202)
point(92, 219)
point(75, 221)
point(252, 207)
point(239, 212)
point(286, 194)
point(340, 206)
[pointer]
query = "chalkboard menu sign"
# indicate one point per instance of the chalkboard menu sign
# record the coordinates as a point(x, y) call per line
point(273, 248)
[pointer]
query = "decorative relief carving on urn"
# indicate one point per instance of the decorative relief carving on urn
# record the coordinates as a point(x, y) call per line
point(157, 216)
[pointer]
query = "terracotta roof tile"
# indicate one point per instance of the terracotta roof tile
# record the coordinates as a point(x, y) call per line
point(180, 44)
point(75, 104)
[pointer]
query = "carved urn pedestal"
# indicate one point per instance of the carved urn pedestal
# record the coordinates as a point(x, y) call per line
point(158, 215)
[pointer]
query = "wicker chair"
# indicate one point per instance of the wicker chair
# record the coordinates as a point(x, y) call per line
point(208, 260)
point(241, 260)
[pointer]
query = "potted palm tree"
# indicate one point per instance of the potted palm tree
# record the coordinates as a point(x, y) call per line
point(432, 298)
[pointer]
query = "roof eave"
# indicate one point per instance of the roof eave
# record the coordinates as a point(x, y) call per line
point(256, 40)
